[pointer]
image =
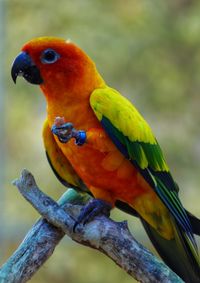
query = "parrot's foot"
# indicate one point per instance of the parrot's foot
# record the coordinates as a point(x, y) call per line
point(66, 131)
point(93, 208)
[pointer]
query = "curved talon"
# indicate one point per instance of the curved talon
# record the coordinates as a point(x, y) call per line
point(63, 132)
point(66, 131)
point(91, 209)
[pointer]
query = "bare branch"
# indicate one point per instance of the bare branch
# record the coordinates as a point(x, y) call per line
point(103, 234)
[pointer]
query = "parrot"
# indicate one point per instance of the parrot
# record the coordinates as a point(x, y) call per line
point(97, 141)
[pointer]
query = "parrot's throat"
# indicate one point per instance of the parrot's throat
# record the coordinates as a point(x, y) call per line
point(71, 101)
point(74, 109)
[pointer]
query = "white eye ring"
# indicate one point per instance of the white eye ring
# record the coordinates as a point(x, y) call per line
point(49, 56)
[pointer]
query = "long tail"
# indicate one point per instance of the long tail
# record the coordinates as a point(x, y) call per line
point(177, 253)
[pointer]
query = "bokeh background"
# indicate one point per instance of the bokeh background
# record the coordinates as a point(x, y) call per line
point(148, 50)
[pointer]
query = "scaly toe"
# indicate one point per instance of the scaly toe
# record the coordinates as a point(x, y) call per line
point(63, 131)
point(91, 209)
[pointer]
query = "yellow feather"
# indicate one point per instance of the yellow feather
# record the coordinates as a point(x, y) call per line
point(124, 116)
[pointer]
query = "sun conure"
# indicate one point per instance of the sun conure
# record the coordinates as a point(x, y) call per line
point(96, 140)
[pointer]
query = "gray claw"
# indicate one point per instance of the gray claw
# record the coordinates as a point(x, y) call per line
point(63, 132)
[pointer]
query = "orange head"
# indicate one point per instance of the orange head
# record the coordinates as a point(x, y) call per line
point(58, 66)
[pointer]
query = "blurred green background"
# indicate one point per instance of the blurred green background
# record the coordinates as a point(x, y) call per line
point(150, 51)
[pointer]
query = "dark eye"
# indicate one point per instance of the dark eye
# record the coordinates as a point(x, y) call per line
point(49, 56)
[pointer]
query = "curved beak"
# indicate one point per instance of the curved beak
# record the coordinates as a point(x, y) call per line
point(25, 67)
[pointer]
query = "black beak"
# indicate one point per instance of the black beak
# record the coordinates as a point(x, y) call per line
point(25, 67)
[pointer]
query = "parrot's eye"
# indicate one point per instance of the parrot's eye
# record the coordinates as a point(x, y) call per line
point(49, 56)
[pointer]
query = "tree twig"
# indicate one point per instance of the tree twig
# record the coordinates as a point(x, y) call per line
point(103, 234)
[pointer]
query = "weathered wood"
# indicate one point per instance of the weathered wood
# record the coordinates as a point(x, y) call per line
point(103, 234)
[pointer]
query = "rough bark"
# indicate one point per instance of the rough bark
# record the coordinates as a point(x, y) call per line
point(103, 234)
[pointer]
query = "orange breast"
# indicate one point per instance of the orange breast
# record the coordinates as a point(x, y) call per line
point(107, 174)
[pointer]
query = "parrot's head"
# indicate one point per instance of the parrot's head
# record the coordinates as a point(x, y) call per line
point(56, 65)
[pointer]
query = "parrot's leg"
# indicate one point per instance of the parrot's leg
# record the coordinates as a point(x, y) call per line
point(66, 131)
point(93, 208)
